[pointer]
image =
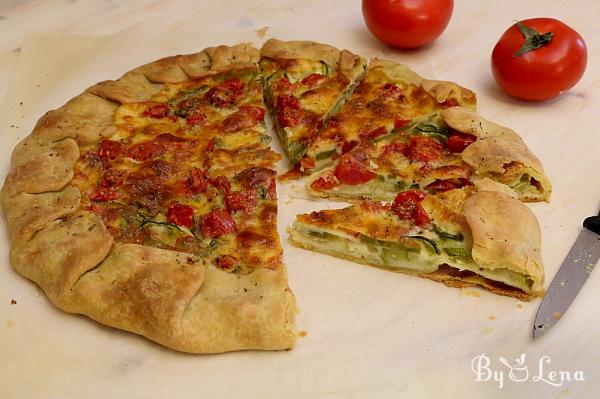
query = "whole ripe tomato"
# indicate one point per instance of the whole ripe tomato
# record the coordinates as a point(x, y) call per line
point(407, 23)
point(538, 59)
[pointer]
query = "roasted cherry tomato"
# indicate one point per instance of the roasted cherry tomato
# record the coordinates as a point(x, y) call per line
point(538, 59)
point(246, 117)
point(424, 149)
point(181, 215)
point(110, 149)
point(307, 163)
point(225, 93)
point(240, 200)
point(196, 181)
point(157, 111)
point(312, 79)
point(407, 23)
point(457, 141)
point(350, 170)
point(448, 184)
point(218, 222)
point(407, 206)
point(326, 182)
point(369, 135)
point(104, 194)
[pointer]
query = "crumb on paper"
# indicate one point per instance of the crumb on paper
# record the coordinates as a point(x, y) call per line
point(9, 323)
point(492, 317)
point(488, 330)
point(556, 315)
point(520, 306)
point(303, 333)
point(472, 293)
point(565, 392)
point(13, 302)
point(262, 31)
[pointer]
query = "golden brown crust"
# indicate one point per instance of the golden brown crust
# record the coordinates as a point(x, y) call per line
point(497, 149)
point(131, 87)
point(451, 279)
point(171, 298)
point(486, 184)
point(240, 311)
point(506, 235)
point(300, 49)
point(28, 213)
point(440, 90)
point(352, 66)
point(57, 255)
point(39, 166)
point(139, 289)
point(85, 118)
point(70, 254)
point(394, 71)
point(444, 91)
point(211, 60)
point(348, 63)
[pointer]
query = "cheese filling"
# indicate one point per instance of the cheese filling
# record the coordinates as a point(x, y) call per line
point(418, 254)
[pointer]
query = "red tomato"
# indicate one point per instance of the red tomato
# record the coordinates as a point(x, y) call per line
point(312, 79)
point(284, 85)
point(451, 102)
point(110, 149)
point(225, 93)
point(550, 61)
point(246, 117)
point(307, 163)
point(349, 145)
point(195, 118)
point(288, 110)
point(448, 184)
point(391, 91)
point(181, 215)
point(350, 170)
point(217, 223)
point(380, 131)
point(103, 194)
point(196, 181)
point(145, 151)
point(457, 142)
point(240, 200)
point(400, 122)
point(407, 23)
point(157, 111)
point(394, 147)
point(407, 206)
point(326, 182)
point(221, 183)
point(423, 149)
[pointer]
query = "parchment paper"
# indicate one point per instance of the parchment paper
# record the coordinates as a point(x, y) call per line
point(370, 333)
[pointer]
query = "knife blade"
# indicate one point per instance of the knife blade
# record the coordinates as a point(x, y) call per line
point(570, 278)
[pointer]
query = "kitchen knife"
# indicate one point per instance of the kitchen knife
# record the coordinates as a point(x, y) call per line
point(570, 277)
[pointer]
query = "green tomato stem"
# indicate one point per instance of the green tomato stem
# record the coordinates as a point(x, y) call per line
point(533, 39)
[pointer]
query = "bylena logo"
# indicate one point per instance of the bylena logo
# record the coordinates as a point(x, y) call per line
point(518, 371)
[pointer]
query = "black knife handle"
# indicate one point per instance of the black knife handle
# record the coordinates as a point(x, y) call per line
point(592, 223)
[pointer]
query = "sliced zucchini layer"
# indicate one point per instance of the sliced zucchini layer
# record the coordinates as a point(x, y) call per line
point(416, 254)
